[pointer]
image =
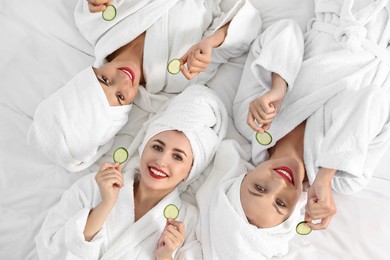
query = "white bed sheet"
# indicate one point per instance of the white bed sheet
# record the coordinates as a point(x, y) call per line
point(40, 49)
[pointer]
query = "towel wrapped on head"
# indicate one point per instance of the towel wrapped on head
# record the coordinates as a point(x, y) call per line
point(76, 125)
point(202, 117)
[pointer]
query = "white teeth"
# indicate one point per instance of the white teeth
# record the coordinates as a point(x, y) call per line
point(158, 173)
point(285, 173)
point(128, 73)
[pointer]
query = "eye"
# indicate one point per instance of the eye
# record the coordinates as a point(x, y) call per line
point(177, 157)
point(157, 148)
point(105, 80)
point(259, 188)
point(120, 96)
point(280, 203)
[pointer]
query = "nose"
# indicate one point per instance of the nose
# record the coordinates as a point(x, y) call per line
point(278, 183)
point(162, 160)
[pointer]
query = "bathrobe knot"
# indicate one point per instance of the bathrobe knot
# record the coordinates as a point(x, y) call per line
point(351, 35)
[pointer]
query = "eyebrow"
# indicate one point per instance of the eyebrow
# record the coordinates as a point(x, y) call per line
point(175, 149)
point(261, 195)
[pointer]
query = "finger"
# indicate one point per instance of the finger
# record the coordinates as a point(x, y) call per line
point(98, 2)
point(203, 57)
point(179, 225)
point(321, 225)
point(251, 122)
point(266, 126)
point(107, 165)
point(96, 8)
point(195, 69)
point(113, 178)
point(308, 218)
point(184, 58)
point(189, 75)
point(267, 107)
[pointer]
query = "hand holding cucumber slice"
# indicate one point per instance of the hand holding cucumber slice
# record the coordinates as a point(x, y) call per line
point(109, 13)
point(120, 155)
point(171, 211)
point(303, 229)
point(174, 66)
point(263, 138)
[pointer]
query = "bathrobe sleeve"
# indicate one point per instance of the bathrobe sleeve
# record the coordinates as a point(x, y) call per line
point(245, 25)
point(278, 49)
point(355, 138)
point(61, 235)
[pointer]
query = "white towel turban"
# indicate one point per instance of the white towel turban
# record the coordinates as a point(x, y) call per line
point(76, 125)
point(242, 240)
point(201, 116)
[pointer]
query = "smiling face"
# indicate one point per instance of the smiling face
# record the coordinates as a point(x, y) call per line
point(270, 192)
point(166, 161)
point(120, 81)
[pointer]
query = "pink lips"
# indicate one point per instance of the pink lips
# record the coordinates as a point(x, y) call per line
point(286, 173)
point(157, 173)
point(128, 71)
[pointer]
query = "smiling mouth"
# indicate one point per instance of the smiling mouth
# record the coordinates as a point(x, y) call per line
point(286, 173)
point(129, 72)
point(157, 174)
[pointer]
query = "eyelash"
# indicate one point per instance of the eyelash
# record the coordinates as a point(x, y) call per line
point(105, 79)
point(160, 149)
point(279, 202)
point(260, 188)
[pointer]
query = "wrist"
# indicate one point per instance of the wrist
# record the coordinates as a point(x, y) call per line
point(325, 174)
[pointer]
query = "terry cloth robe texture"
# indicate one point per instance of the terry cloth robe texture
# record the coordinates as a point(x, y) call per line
point(61, 235)
point(76, 125)
point(225, 232)
point(342, 90)
point(172, 27)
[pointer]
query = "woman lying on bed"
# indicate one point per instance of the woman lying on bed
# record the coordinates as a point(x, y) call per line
point(115, 215)
point(341, 92)
point(76, 125)
point(254, 210)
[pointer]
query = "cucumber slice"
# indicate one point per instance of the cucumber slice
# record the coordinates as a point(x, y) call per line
point(263, 138)
point(302, 228)
point(109, 13)
point(120, 155)
point(174, 66)
point(171, 211)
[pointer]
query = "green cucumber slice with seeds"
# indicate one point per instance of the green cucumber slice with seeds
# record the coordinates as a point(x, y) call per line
point(171, 211)
point(263, 138)
point(109, 13)
point(174, 66)
point(120, 155)
point(303, 229)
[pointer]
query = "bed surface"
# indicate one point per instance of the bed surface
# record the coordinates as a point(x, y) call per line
point(40, 49)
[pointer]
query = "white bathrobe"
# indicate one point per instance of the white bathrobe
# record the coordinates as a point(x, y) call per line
point(225, 232)
point(172, 27)
point(61, 236)
point(342, 90)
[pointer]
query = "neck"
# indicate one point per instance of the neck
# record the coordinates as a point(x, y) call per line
point(145, 198)
point(291, 145)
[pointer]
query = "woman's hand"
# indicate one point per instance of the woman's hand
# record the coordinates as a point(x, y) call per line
point(263, 109)
point(197, 59)
point(96, 6)
point(110, 181)
point(171, 239)
point(320, 203)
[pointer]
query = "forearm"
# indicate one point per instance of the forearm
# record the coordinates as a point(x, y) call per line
point(217, 38)
point(95, 221)
point(278, 83)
